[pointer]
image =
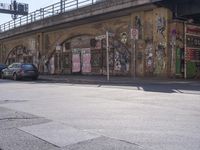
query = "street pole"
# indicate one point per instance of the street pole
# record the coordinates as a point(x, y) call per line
point(134, 37)
point(185, 51)
point(61, 6)
point(107, 55)
point(134, 59)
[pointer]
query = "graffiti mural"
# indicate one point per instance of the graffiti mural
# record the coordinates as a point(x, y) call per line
point(117, 61)
point(173, 37)
point(121, 60)
point(76, 62)
point(20, 54)
point(66, 60)
point(177, 52)
point(96, 60)
point(149, 56)
point(124, 37)
point(86, 58)
point(160, 55)
point(138, 25)
point(111, 58)
point(45, 64)
point(119, 55)
point(161, 25)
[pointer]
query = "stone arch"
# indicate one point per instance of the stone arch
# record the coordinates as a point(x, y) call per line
point(55, 59)
point(121, 55)
point(64, 40)
point(66, 35)
point(13, 50)
point(20, 53)
point(70, 35)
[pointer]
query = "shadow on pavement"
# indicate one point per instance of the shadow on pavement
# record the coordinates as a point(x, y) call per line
point(149, 85)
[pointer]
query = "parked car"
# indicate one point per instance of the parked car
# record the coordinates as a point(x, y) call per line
point(18, 71)
point(2, 66)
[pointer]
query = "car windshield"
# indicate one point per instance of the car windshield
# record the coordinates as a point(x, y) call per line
point(28, 66)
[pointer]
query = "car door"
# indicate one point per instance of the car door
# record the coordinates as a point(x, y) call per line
point(10, 70)
point(6, 71)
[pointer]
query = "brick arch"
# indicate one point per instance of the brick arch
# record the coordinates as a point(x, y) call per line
point(71, 35)
point(17, 47)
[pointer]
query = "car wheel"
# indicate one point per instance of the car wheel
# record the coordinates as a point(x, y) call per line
point(15, 77)
point(2, 76)
point(34, 78)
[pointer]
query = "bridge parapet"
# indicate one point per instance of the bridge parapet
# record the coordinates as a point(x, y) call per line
point(67, 11)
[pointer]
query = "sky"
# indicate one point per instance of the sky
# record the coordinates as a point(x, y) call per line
point(33, 5)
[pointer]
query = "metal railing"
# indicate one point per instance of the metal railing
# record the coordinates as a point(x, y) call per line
point(52, 10)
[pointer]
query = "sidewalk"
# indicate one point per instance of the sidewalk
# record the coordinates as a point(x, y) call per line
point(118, 80)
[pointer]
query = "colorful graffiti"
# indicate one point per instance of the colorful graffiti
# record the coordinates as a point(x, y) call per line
point(161, 25)
point(160, 55)
point(177, 52)
point(76, 62)
point(96, 59)
point(86, 58)
point(121, 57)
point(138, 25)
point(111, 58)
point(149, 56)
point(66, 60)
point(121, 60)
point(124, 37)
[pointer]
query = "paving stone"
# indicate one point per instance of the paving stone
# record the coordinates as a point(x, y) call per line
point(58, 134)
point(14, 139)
point(10, 119)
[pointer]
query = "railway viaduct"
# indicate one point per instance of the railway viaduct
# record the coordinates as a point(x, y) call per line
point(68, 38)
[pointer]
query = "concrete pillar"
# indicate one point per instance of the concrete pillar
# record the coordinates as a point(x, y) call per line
point(161, 17)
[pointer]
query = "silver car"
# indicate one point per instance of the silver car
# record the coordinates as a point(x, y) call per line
point(18, 71)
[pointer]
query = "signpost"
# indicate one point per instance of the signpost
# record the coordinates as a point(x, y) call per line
point(106, 36)
point(100, 37)
point(134, 34)
point(107, 55)
point(134, 37)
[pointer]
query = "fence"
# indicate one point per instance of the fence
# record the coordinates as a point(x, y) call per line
point(52, 10)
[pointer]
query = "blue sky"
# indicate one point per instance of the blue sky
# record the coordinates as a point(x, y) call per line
point(33, 5)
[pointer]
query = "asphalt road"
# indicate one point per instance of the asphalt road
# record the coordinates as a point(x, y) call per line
point(56, 116)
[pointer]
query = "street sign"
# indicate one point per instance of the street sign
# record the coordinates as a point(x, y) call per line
point(100, 37)
point(134, 33)
point(106, 36)
point(58, 48)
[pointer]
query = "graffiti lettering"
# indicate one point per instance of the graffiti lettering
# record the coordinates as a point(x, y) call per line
point(160, 55)
point(149, 56)
point(121, 60)
point(138, 25)
point(161, 25)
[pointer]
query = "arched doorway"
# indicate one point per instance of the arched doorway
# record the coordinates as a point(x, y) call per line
point(85, 55)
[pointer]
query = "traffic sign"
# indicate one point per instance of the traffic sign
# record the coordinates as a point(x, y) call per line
point(100, 37)
point(134, 34)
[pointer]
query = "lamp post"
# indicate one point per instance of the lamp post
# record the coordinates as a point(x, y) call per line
point(61, 6)
point(107, 55)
